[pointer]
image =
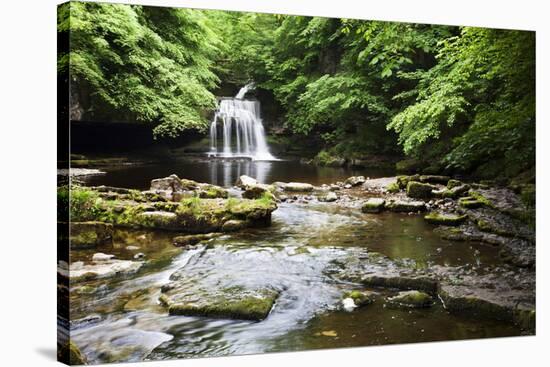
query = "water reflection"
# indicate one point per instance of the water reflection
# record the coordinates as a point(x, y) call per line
point(224, 172)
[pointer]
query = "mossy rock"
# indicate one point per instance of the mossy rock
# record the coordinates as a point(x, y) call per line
point(454, 183)
point(412, 299)
point(402, 206)
point(360, 298)
point(469, 202)
point(419, 190)
point(393, 188)
point(402, 181)
point(445, 219)
point(373, 205)
point(434, 179)
point(90, 234)
point(482, 199)
point(232, 303)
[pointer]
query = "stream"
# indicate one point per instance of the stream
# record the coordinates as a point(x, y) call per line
point(117, 320)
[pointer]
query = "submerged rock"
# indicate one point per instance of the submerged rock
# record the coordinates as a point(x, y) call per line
point(90, 234)
point(413, 299)
point(373, 205)
point(298, 187)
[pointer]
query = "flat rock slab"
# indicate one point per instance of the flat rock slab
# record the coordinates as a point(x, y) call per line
point(373, 205)
point(232, 303)
point(103, 269)
point(404, 206)
point(298, 187)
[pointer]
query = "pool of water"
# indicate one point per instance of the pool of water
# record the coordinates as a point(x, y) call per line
point(225, 172)
point(121, 319)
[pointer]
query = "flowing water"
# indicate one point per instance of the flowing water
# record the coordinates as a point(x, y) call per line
point(121, 319)
point(242, 131)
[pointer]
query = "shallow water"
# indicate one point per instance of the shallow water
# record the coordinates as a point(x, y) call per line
point(293, 257)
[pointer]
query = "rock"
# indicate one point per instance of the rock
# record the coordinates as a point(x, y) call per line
point(233, 225)
point(426, 284)
point(403, 206)
point(402, 181)
point(418, 190)
point(103, 269)
point(160, 220)
point(329, 197)
point(139, 255)
point(98, 257)
point(207, 191)
point(90, 234)
point(256, 191)
point(170, 183)
point(334, 187)
point(413, 299)
point(132, 248)
point(469, 202)
point(355, 180)
point(434, 179)
point(244, 181)
point(232, 303)
point(445, 219)
point(193, 239)
point(360, 298)
point(454, 183)
point(393, 188)
point(454, 193)
point(298, 187)
point(373, 205)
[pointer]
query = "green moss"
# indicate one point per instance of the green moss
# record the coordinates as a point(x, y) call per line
point(453, 183)
point(480, 198)
point(529, 195)
point(415, 299)
point(445, 219)
point(360, 298)
point(469, 202)
point(325, 158)
point(393, 187)
point(249, 307)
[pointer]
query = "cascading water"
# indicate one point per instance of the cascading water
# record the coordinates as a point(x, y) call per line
point(239, 119)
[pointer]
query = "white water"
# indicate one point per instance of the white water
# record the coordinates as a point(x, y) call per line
point(243, 133)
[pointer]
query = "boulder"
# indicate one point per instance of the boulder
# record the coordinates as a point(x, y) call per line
point(393, 188)
point(256, 191)
point(329, 197)
point(244, 181)
point(418, 190)
point(373, 205)
point(90, 234)
point(298, 187)
point(413, 299)
point(355, 180)
point(403, 206)
point(445, 219)
point(170, 184)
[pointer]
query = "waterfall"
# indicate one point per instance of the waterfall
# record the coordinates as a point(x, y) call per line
point(239, 119)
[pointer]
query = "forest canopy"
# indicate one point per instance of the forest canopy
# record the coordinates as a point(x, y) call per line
point(459, 98)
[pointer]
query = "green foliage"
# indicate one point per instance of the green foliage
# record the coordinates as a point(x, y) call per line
point(148, 64)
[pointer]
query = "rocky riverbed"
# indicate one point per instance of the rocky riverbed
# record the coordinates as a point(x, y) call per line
point(187, 268)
